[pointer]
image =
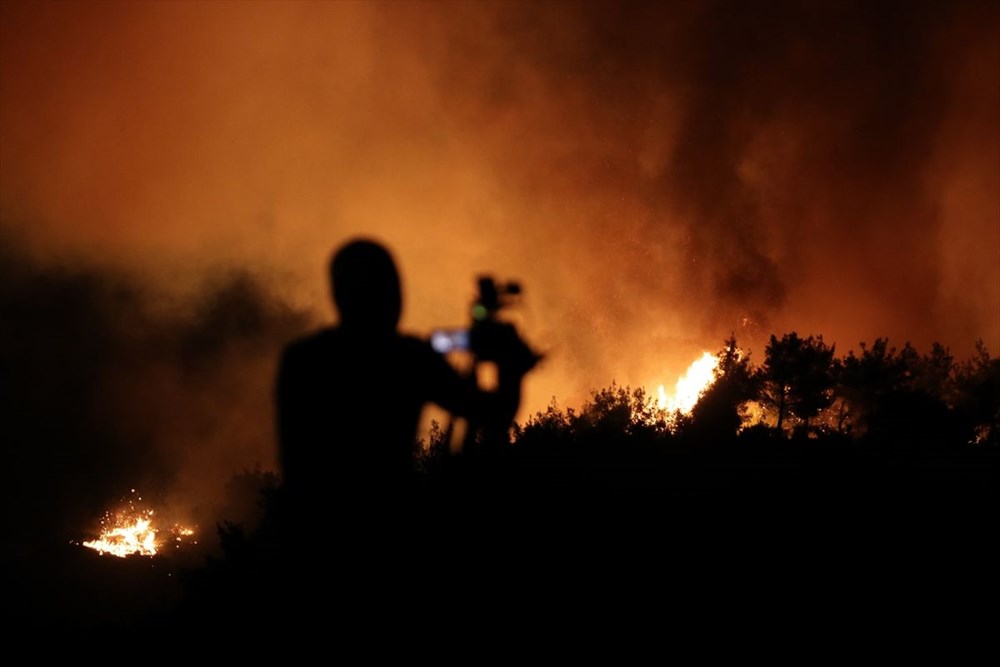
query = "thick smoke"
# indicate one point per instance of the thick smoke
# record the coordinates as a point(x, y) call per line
point(658, 176)
point(108, 388)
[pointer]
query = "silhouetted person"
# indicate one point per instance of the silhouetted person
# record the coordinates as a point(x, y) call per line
point(350, 396)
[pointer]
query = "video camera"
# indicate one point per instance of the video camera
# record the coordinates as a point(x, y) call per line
point(486, 335)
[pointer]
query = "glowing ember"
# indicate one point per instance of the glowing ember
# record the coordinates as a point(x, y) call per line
point(699, 376)
point(130, 531)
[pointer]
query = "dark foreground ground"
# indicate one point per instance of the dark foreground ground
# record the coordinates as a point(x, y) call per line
point(490, 543)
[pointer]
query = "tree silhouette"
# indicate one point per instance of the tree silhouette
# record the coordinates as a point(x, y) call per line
point(935, 374)
point(897, 397)
point(720, 411)
point(865, 381)
point(611, 414)
point(978, 395)
point(796, 378)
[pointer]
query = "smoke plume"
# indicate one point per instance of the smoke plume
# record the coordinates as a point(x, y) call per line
point(657, 175)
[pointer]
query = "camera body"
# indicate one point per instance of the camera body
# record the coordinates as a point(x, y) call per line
point(487, 337)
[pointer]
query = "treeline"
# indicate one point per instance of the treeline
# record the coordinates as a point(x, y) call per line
point(884, 397)
point(794, 465)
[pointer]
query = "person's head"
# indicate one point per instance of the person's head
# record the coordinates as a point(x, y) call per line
point(366, 288)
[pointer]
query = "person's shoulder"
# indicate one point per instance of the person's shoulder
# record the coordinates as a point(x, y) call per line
point(310, 344)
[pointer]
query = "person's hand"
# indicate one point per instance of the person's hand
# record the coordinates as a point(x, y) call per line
point(512, 355)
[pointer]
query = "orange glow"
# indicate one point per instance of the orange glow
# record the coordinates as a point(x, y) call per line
point(697, 183)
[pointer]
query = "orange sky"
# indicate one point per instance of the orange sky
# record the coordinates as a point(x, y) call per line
point(655, 177)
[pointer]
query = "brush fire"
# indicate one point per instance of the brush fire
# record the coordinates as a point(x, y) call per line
point(133, 530)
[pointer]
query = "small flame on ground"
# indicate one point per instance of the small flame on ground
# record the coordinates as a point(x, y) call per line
point(130, 532)
point(124, 536)
point(699, 376)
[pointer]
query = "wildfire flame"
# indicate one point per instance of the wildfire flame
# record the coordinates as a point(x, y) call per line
point(130, 531)
point(699, 376)
point(125, 536)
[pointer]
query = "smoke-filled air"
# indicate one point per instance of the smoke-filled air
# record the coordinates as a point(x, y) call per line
point(658, 176)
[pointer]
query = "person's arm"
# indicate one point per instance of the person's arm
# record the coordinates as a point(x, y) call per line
point(492, 410)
